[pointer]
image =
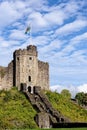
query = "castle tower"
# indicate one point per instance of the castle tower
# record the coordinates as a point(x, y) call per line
point(26, 67)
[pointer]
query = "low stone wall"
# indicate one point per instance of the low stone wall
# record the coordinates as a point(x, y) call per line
point(70, 125)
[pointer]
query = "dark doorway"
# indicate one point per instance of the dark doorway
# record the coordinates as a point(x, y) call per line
point(29, 89)
point(23, 87)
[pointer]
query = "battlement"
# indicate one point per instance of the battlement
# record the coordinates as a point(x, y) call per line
point(20, 52)
point(43, 65)
point(30, 50)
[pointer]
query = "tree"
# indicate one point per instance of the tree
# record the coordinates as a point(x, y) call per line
point(80, 97)
point(85, 99)
point(66, 93)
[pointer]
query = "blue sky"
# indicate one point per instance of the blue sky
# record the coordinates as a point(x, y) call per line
point(59, 30)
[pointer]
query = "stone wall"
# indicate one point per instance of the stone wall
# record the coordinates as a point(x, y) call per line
point(10, 74)
point(42, 119)
point(43, 75)
point(3, 77)
point(6, 77)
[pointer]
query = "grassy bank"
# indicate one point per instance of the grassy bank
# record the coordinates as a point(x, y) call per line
point(67, 108)
point(15, 111)
point(61, 129)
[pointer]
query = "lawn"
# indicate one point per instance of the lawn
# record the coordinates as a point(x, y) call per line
point(61, 129)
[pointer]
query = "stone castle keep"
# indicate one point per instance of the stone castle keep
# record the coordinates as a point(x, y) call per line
point(31, 75)
point(25, 68)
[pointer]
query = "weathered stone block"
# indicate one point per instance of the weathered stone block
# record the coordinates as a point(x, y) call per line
point(43, 120)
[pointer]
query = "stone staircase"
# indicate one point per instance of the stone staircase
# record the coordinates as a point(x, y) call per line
point(46, 113)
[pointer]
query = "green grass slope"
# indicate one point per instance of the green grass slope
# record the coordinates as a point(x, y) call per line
point(15, 111)
point(67, 107)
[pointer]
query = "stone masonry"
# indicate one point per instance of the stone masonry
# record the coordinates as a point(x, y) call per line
point(25, 68)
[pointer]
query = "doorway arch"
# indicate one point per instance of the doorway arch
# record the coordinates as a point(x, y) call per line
point(29, 89)
point(23, 87)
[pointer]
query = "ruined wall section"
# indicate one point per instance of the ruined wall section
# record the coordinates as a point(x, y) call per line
point(10, 75)
point(6, 77)
point(43, 75)
point(3, 77)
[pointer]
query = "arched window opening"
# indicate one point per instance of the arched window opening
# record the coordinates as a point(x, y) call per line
point(17, 58)
point(29, 78)
point(30, 58)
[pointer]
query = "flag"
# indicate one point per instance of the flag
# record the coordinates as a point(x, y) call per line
point(27, 30)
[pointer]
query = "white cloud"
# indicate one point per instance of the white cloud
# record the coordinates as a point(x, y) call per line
point(79, 38)
point(17, 35)
point(54, 45)
point(44, 21)
point(72, 6)
point(82, 88)
point(40, 40)
point(37, 5)
point(75, 50)
point(37, 20)
point(72, 27)
point(55, 17)
point(73, 89)
point(7, 14)
point(20, 5)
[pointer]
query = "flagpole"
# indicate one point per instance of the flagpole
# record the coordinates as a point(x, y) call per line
point(31, 34)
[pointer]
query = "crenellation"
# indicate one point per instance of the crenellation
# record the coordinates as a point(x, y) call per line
point(43, 65)
point(32, 50)
point(20, 52)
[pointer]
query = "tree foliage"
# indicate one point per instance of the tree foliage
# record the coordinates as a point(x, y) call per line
point(85, 99)
point(81, 97)
point(66, 93)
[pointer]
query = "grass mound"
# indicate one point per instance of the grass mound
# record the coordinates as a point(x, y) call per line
point(67, 107)
point(15, 111)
